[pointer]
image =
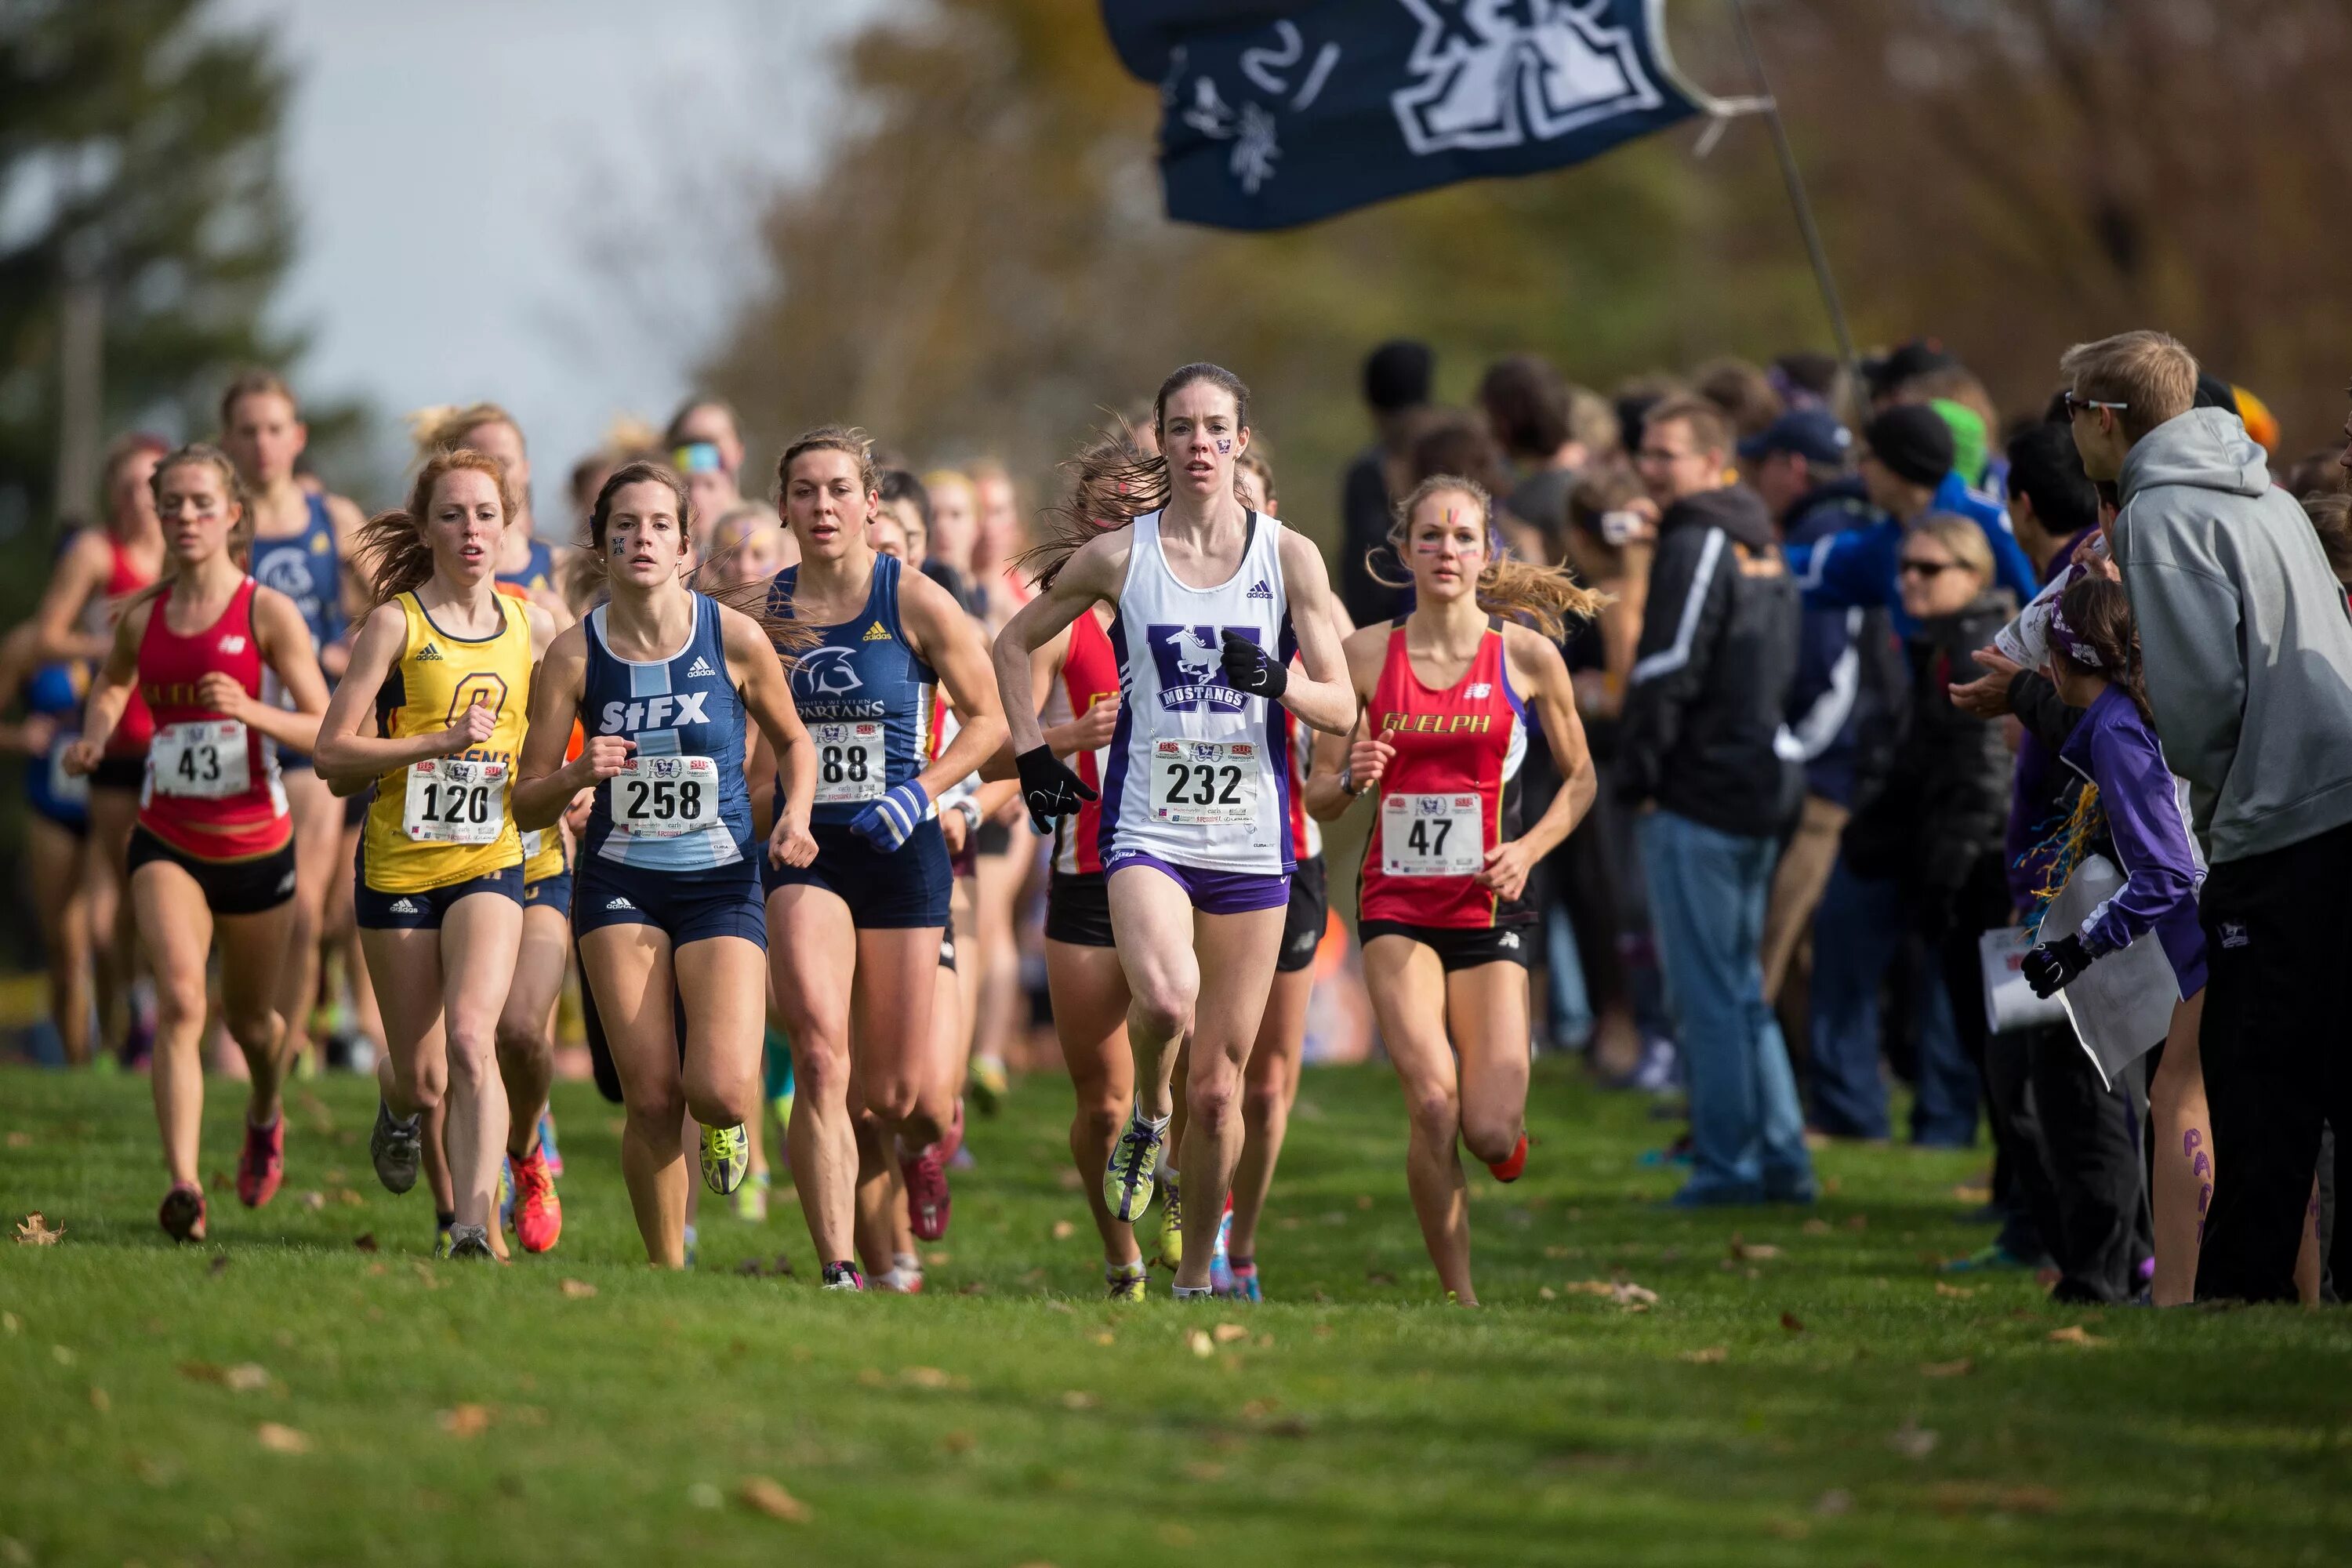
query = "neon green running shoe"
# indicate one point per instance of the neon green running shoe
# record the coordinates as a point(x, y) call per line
point(1126, 1283)
point(751, 1199)
point(726, 1155)
point(441, 1240)
point(1171, 1232)
point(1126, 1183)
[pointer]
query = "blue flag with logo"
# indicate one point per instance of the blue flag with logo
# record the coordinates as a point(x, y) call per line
point(1274, 114)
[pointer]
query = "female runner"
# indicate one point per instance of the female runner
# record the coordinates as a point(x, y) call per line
point(855, 934)
point(444, 661)
point(667, 902)
point(96, 576)
point(212, 851)
point(301, 539)
point(58, 871)
point(1447, 693)
point(1194, 832)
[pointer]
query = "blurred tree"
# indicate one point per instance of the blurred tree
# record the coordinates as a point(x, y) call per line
point(139, 175)
point(982, 264)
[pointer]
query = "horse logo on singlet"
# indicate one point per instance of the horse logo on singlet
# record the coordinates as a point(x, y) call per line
point(1191, 661)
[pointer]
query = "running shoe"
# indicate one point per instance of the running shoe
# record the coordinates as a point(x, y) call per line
point(988, 1084)
point(1126, 1282)
point(183, 1214)
point(1194, 1293)
point(1221, 1268)
point(443, 1237)
point(843, 1277)
point(546, 1143)
point(470, 1242)
point(927, 1202)
point(1245, 1282)
point(1659, 1069)
point(396, 1147)
point(751, 1199)
point(900, 1281)
point(261, 1163)
point(1508, 1170)
point(1992, 1257)
point(1127, 1184)
point(726, 1155)
point(506, 1193)
point(538, 1212)
point(1172, 1231)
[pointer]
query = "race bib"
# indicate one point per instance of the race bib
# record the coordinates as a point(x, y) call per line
point(666, 798)
point(452, 801)
point(1432, 834)
point(206, 759)
point(1204, 784)
point(850, 761)
point(65, 788)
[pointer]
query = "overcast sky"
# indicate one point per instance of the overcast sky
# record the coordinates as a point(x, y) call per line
point(545, 203)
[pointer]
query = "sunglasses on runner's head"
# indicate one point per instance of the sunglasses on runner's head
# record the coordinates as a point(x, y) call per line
point(1914, 567)
point(697, 458)
point(2079, 404)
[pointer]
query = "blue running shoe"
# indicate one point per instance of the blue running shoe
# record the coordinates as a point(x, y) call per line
point(547, 1142)
point(1221, 1268)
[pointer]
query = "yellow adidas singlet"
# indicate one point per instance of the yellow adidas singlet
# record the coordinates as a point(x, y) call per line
point(436, 824)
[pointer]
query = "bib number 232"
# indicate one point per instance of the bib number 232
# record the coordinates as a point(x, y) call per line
point(452, 801)
point(1204, 784)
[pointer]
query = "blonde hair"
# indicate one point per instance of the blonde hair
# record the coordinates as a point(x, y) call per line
point(2151, 374)
point(445, 426)
point(1710, 428)
point(1545, 597)
point(391, 551)
point(203, 455)
point(1963, 539)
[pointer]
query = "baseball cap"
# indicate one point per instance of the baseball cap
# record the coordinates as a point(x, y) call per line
point(1812, 433)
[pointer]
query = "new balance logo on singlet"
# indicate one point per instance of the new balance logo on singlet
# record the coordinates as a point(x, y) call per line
point(431, 655)
point(232, 645)
point(700, 666)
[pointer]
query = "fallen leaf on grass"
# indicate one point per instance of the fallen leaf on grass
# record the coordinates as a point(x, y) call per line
point(98, 1400)
point(2075, 1334)
point(1743, 1250)
point(1226, 1334)
point(1858, 1222)
point(220, 1265)
point(956, 1442)
point(465, 1421)
point(1913, 1441)
point(10, 1324)
point(1834, 1502)
point(1789, 1321)
point(1960, 1368)
point(364, 1241)
point(349, 1198)
point(1363, 1200)
point(1202, 1344)
point(1204, 1470)
point(924, 1376)
point(314, 1200)
point(1077, 1399)
point(280, 1439)
point(761, 1495)
point(1624, 1293)
point(1706, 1357)
point(1953, 1498)
point(20, 1140)
point(1322, 1331)
point(1546, 1293)
point(935, 1257)
point(1788, 1529)
point(246, 1377)
point(34, 1231)
point(1955, 1292)
point(577, 1289)
point(1378, 1276)
point(1968, 1194)
point(1064, 1230)
point(1815, 1227)
point(1104, 1337)
point(1069, 1180)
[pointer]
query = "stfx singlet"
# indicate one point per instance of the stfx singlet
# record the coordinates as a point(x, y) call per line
point(212, 788)
point(58, 690)
point(866, 697)
point(1449, 795)
point(538, 573)
point(681, 804)
point(1200, 773)
point(1089, 674)
point(447, 819)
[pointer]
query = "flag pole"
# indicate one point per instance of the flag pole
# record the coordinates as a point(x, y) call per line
point(1795, 179)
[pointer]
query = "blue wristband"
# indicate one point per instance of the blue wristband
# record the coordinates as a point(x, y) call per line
point(890, 822)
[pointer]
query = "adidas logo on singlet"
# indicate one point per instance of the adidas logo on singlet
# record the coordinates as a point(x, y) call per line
point(700, 666)
point(402, 907)
point(1258, 590)
point(431, 655)
point(873, 633)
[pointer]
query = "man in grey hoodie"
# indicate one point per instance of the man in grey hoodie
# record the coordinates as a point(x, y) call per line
point(2247, 651)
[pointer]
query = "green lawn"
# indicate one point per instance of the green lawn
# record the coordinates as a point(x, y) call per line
point(1820, 1399)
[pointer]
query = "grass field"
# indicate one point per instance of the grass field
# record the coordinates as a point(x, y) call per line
point(1803, 1391)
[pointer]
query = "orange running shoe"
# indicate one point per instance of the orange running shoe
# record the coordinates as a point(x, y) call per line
point(538, 1212)
point(1508, 1170)
point(261, 1163)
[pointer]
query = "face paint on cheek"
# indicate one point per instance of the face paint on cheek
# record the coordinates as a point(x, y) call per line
point(1224, 446)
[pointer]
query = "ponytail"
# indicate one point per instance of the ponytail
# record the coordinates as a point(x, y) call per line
point(2097, 612)
point(1544, 597)
point(1112, 483)
point(392, 552)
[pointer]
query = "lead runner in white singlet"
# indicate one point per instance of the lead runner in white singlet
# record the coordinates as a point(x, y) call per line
point(1212, 597)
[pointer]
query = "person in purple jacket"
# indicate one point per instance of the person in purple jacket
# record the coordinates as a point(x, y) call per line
point(2095, 663)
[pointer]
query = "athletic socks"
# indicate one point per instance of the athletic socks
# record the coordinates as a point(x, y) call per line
point(443, 1218)
point(1194, 1292)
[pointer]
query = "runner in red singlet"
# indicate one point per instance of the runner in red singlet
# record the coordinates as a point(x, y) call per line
point(212, 850)
point(1449, 695)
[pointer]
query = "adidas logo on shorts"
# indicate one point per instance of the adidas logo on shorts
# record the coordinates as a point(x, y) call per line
point(404, 907)
point(700, 666)
point(873, 633)
point(619, 904)
point(431, 655)
point(1260, 591)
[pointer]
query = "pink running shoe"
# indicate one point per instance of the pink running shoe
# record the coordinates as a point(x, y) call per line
point(927, 1192)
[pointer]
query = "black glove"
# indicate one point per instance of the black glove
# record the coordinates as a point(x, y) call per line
point(2050, 967)
point(1049, 788)
point(1248, 668)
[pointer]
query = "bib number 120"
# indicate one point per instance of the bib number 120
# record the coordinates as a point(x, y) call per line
point(451, 801)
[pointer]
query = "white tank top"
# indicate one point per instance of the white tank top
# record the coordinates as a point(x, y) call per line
point(1200, 773)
